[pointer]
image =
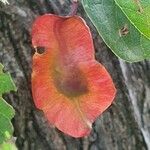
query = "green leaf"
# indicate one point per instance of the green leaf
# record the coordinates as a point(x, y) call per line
point(117, 31)
point(6, 83)
point(6, 111)
point(8, 146)
point(138, 12)
point(6, 128)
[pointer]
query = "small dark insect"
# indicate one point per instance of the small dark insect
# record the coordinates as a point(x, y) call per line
point(123, 31)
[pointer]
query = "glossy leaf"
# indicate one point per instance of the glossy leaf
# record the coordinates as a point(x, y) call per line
point(6, 111)
point(138, 11)
point(68, 84)
point(117, 31)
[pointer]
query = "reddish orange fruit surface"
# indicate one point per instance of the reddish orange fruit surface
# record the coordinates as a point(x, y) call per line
point(68, 84)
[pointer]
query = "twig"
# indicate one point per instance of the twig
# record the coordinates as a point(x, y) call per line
point(74, 8)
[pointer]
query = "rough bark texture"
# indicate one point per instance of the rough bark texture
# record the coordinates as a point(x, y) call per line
point(124, 126)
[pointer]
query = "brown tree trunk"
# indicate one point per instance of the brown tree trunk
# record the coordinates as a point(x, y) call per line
point(124, 126)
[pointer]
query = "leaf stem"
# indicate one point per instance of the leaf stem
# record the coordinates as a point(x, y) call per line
point(74, 8)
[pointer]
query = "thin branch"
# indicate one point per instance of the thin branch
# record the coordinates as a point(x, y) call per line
point(74, 8)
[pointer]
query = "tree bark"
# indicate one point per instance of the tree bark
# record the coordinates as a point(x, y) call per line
point(124, 126)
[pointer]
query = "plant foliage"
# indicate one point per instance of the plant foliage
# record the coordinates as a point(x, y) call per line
point(6, 111)
point(121, 36)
